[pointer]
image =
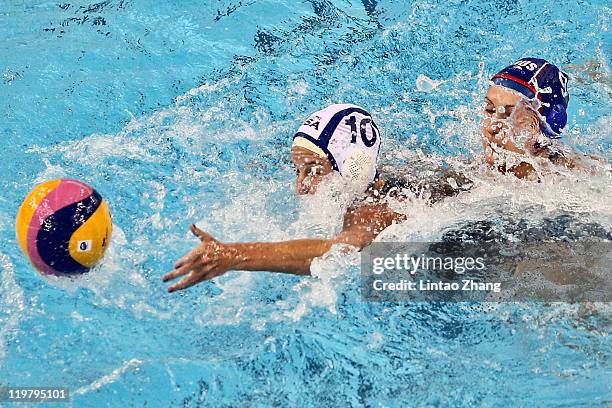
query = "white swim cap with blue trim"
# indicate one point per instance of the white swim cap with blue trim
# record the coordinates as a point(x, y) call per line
point(347, 136)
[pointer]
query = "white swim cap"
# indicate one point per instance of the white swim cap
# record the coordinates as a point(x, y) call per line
point(347, 136)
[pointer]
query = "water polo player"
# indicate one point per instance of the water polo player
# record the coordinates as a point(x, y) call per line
point(525, 113)
point(341, 139)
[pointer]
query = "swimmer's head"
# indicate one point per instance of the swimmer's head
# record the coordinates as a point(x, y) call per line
point(341, 138)
point(538, 81)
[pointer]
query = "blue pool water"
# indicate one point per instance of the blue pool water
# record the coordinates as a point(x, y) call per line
point(181, 112)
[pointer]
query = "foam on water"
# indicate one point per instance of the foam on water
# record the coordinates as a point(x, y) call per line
point(186, 126)
point(211, 146)
point(13, 305)
point(109, 378)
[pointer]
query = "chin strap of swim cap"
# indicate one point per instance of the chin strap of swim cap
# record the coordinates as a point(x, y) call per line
point(538, 79)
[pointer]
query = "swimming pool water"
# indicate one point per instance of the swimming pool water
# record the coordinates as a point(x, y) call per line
point(181, 112)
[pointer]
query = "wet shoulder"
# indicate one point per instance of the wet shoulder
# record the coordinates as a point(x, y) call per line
point(434, 187)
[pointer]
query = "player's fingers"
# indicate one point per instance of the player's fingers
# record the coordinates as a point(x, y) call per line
point(177, 272)
point(204, 236)
point(184, 283)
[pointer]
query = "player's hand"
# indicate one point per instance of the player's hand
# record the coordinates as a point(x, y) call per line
point(516, 134)
point(498, 138)
point(525, 119)
point(209, 260)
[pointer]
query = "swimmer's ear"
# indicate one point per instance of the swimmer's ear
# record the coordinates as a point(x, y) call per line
point(200, 234)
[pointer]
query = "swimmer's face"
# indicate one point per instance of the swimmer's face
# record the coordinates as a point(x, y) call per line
point(497, 128)
point(500, 102)
point(310, 169)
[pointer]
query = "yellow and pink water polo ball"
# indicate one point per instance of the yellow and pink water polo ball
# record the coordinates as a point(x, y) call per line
point(63, 227)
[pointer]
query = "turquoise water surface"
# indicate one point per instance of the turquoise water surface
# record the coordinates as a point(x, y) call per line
point(181, 112)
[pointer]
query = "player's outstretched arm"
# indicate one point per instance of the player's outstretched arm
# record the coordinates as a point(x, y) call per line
point(213, 258)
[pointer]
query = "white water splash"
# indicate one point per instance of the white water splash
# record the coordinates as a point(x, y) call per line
point(322, 289)
point(109, 378)
point(426, 84)
point(12, 300)
point(248, 216)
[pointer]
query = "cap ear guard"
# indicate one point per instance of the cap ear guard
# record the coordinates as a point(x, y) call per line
point(358, 169)
point(556, 119)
